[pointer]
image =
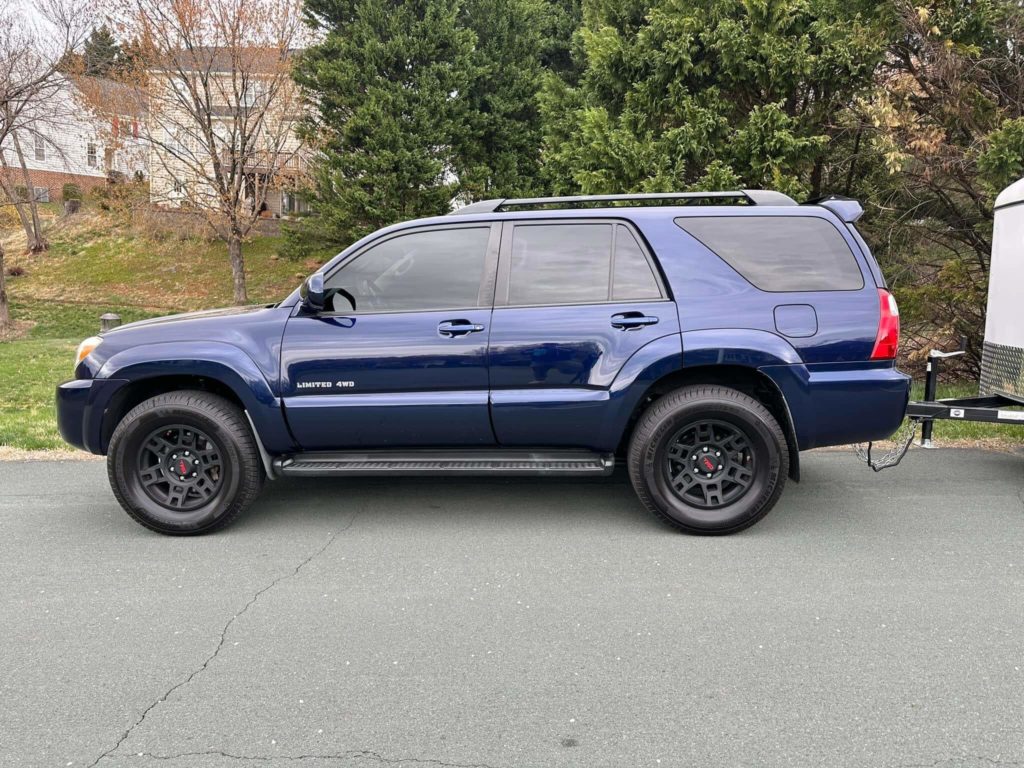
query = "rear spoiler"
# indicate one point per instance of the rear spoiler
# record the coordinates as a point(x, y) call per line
point(846, 208)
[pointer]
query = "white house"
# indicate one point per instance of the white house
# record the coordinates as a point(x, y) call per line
point(87, 134)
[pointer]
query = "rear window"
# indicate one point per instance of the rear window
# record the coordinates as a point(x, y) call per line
point(780, 253)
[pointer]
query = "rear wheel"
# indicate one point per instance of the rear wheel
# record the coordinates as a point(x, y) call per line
point(708, 460)
point(184, 463)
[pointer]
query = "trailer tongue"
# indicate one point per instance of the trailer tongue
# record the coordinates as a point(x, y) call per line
point(1001, 395)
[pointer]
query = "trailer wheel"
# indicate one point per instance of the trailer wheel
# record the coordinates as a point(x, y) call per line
point(708, 460)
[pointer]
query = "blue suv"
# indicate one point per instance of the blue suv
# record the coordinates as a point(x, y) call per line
point(701, 339)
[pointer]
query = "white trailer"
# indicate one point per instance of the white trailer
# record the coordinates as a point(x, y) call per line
point(1002, 362)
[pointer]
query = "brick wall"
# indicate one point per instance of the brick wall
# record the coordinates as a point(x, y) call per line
point(54, 181)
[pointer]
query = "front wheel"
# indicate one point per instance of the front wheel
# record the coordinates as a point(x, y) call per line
point(184, 463)
point(708, 460)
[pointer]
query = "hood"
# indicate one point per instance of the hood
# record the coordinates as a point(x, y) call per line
point(186, 316)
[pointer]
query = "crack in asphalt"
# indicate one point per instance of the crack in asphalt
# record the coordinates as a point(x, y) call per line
point(354, 754)
point(223, 637)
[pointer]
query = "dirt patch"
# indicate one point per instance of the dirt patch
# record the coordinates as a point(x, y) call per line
point(17, 454)
point(18, 330)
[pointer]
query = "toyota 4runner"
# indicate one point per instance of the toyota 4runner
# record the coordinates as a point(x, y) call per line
point(701, 339)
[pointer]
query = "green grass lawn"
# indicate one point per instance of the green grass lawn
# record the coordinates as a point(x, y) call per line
point(99, 264)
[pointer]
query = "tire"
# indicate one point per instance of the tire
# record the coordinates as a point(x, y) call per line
point(184, 463)
point(747, 459)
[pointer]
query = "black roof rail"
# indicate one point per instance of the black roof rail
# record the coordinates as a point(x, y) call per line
point(743, 196)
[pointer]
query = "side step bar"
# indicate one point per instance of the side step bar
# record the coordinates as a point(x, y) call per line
point(492, 462)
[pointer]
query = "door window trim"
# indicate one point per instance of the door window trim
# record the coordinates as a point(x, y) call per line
point(485, 296)
point(505, 262)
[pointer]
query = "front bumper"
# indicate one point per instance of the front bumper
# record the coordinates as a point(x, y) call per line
point(81, 405)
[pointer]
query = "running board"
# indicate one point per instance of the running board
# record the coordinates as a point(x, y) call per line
point(446, 462)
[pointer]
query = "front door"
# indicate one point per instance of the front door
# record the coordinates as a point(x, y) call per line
point(574, 301)
point(400, 356)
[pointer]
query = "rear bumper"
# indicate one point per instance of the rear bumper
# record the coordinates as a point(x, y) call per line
point(81, 404)
point(842, 404)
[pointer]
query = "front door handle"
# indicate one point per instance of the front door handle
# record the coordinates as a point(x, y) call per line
point(452, 328)
point(632, 321)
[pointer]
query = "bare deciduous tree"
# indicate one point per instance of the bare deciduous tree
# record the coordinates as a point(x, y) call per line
point(30, 53)
point(221, 107)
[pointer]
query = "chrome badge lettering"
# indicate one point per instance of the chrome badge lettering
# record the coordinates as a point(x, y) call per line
point(325, 385)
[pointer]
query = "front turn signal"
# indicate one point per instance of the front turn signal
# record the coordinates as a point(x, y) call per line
point(86, 348)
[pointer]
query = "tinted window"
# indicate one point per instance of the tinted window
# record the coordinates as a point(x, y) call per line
point(632, 275)
point(780, 253)
point(439, 269)
point(559, 264)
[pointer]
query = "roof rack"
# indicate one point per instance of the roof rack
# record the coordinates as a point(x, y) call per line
point(742, 197)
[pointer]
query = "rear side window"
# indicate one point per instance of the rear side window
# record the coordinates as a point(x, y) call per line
point(780, 253)
point(632, 277)
point(577, 263)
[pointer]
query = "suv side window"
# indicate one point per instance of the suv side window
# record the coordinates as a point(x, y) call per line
point(632, 277)
point(780, 253)
point(577, 263)
point(433, 269)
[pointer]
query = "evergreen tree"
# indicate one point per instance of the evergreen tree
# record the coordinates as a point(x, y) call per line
point(388, 84)
point(698, 94)
point(101, 53)
point(498, 154)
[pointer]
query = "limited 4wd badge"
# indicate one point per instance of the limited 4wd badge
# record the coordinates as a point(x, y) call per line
point(322, 385)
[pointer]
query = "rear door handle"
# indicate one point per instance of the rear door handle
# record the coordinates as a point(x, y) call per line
point(632, 321)
point(453, 328)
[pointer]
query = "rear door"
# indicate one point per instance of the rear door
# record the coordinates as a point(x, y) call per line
point(575, 300)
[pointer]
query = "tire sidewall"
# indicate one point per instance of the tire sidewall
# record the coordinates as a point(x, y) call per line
point(124, 456)
point(745, 510)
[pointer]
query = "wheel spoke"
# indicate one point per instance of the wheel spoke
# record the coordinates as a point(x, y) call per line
point(152, 476)
point(683, 481)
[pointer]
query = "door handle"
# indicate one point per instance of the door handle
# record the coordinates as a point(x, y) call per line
point(632, 321)
point(452, 328)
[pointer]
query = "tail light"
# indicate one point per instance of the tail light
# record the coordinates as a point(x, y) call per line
point(887, 340)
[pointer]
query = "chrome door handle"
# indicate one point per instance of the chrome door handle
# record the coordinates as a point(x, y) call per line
point(632, 321)
point(452, 328)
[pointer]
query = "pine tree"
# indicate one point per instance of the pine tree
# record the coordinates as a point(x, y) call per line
point(498, 155)
point(697, 94)
point(101, 52)
point(388, 83)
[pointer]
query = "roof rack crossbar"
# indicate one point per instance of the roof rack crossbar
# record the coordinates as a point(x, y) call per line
point(748, 196)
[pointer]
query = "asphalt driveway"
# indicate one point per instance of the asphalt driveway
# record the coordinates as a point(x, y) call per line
point(870, 620)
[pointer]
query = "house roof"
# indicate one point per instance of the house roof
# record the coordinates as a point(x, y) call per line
point(110, 96)
point(220, 59)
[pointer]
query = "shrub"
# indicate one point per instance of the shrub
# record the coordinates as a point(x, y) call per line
point(70, 192)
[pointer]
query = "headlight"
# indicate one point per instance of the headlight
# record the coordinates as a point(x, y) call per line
point(86, 348)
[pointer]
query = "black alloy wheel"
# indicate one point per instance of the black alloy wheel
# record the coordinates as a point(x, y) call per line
point(184, 463)
point(710, 463)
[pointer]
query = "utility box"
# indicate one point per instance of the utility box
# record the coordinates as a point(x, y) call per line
point(1002, 362)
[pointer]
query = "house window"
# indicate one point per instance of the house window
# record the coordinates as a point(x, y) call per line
point(177, 143)
point(292, 203)
point(90, 155)
point(40, 147)
point(41, 194)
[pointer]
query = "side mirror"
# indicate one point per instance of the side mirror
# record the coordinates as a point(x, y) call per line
point(312, 293)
